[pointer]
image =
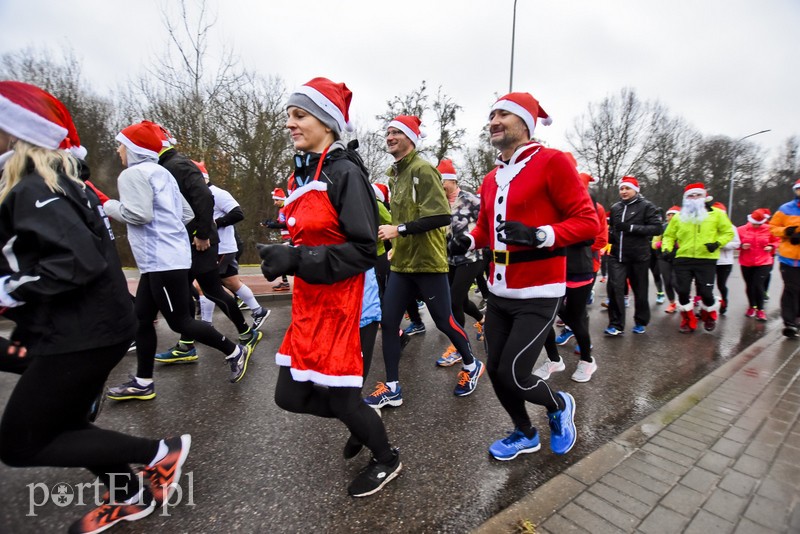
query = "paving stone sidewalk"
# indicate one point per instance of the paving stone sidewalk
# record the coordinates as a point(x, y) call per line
point(724, 456)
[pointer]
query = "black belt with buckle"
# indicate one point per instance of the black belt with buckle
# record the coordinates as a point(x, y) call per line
point(504, 257)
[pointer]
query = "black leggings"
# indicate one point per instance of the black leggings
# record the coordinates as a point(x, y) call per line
point(668, 277)
point(211, 284)
point(702, 272)
point(655, 268)
point(480, 279)
point(342, 403)
point(367, 334)
point(723, 272)
point(436, 292)
point(755, 279)
point(167, 292)
point(46, 420)
point(461, 278)
point(573, 313)
point(515, 332)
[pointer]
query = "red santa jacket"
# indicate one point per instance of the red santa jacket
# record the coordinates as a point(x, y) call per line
point(539, 187)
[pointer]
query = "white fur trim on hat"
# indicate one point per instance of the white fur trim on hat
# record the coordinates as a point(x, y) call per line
point(449, 177)
point(416, 139)
point(694, 191)
point(31, 127)
point(133, 147)
point(378, 193)
point(326, 105)
point(519, 111)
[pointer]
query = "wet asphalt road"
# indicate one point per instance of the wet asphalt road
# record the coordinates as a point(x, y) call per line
point(255, 468)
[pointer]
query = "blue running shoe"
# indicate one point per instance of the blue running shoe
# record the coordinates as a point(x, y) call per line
point(564, 336)
point(180, 353)
point(383, 396)
point(515, 444)
point(660, 297)
point(563, 434)
point(468, 380)
point(414, 328)
point(611, 331)
point(578, 349)
point(132, 390)
point(639, 329)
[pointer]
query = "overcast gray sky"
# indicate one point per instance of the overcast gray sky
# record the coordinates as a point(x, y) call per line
point(728, 67)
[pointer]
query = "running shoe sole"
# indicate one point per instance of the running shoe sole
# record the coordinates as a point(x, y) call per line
point(186, 444)
point(149, 396)
point(523, 451)
point(257, 323)
point(179, 359)
point(571, 421)
point(248, 352)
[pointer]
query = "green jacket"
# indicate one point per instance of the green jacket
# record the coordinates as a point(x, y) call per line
point(384, 217)
point(691, 238)
point(417, 192)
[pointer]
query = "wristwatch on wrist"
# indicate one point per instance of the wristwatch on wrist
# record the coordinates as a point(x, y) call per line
point(401, 229)
point(541, 235)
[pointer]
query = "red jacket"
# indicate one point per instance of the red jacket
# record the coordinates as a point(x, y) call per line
point(541, 188)
point(758, 238)
point(601, 240)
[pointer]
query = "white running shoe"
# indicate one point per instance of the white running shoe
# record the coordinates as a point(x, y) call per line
point(584, 371)
point(549, 367)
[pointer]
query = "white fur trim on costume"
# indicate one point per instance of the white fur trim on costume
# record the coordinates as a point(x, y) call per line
point(519, 111)
point(713, 308)
point(751, 220)
point(407, 131)
point(31, 127)
point(315, 185)
point(78, 151)
point(545, 291)
point(5, 299)
point(694, 191)
point(307, 375)
point(327, 106)
point(686, 307)
point(133, 147)
point(551, 236)
point(284, 360)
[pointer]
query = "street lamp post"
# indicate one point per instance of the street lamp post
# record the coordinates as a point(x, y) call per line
point(513, 35)
point(733, 169)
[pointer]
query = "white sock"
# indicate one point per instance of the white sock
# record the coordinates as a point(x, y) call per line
point(392, 386)
point(246, 294)
point(144, 381)
point(469, 366)
point(162, 452)
point(206, 309)
point(237, 351)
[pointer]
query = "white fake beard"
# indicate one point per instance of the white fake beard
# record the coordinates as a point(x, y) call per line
point(694, 210)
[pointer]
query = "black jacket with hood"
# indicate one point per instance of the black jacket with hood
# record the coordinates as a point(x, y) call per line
point(631, 226)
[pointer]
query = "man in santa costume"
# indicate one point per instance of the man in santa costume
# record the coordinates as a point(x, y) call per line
point(533, 204)
point(694, 238)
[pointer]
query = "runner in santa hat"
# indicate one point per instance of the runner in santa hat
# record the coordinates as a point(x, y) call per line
point(757, 254)
point(332, 218)
point(61, 283)
point(725, 263)
point(533, 205)
point(279, 199)
point(665, 263)
point(692, 239)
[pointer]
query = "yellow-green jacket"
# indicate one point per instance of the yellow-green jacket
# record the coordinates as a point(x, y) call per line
point(691, 238)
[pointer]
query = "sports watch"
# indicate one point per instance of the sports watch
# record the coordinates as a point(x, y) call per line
point(401, 229)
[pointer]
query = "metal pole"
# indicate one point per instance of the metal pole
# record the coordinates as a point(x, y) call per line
point(513, 35)
point(733, 169)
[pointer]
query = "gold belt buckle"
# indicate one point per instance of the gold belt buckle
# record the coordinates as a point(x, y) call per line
point(500, 256)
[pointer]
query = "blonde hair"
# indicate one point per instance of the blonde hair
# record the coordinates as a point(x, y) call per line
point(48, 164)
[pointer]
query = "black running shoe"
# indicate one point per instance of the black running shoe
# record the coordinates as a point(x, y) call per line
point(375, 476)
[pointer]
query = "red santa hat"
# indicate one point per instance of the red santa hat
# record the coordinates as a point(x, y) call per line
point(447, 170)
point(381, 192)
point(278, 194)
point(695, 188)
point(524, 106)
point(143, 138)
point(327, 101)
point(202, 166)
point(673, 210)
point(587, 178)
point(37, 117)
point(796, 185)
point(719, 206)
point(629, 181)
point(410, 126)
point(759, 216)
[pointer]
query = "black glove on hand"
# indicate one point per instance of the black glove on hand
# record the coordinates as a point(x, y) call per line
point(458, 245)
point(278, 260)
point(668, 256)
point(795, 239)
point(517, 234)
point(712, 246)
point(271, 223)
point(789, 231)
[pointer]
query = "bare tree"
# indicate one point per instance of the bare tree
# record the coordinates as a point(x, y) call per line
point(450, 138)
point(372, 148)
point(479, 159)
point(612, 137)
point(413, 103)
point(785, 171)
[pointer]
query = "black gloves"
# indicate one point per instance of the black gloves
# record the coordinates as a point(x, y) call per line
point(712, 246)
point(517, 234)
point(795, 239)
point(278, 260)
point(458, 245)
point(271, 223)
point(789, 231)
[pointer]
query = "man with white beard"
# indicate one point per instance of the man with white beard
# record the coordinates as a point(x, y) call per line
point(693, 238)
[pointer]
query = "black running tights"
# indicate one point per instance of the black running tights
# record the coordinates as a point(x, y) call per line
point(461, 278)
point(167, 292)
point(515, 331)
point(213, 290)
point(342, 403)
point(46, 420)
